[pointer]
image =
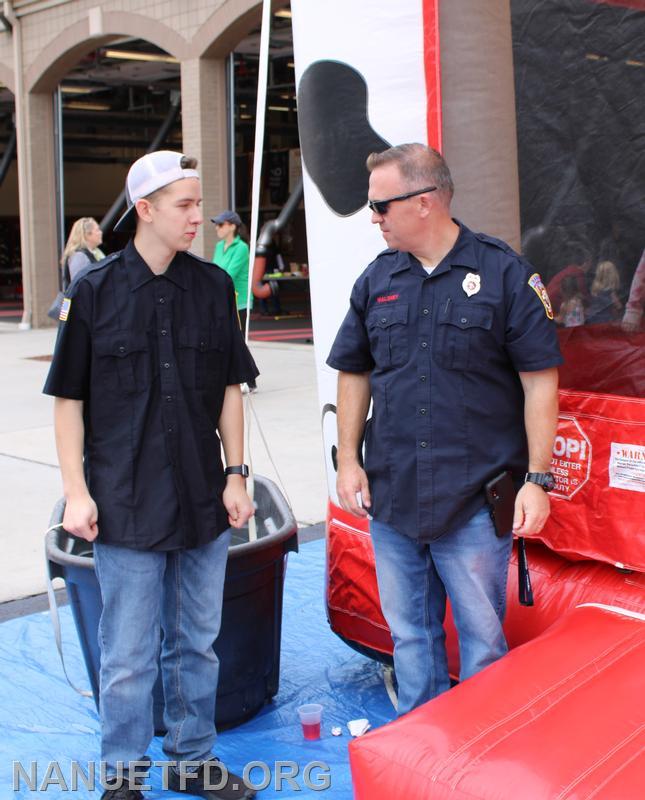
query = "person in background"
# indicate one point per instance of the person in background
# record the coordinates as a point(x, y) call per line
point(572, 307)
point(605, 304)
point(232, 255)
point(578, 268)
point(633, 316)
point(83, 247)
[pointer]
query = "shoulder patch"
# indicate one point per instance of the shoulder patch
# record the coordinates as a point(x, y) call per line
point(535, 282)
point(64, 309)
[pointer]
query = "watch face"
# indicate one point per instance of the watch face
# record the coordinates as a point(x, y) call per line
point(549, 482)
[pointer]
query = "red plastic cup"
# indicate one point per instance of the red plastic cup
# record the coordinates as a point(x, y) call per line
point(310, 715)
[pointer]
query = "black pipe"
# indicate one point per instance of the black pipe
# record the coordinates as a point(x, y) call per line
point(116, 207)
point(7, 156)
point(273, 226)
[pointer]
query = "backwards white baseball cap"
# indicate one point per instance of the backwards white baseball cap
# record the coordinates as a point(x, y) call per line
point(149, 173)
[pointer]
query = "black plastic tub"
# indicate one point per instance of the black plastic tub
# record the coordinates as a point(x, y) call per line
point(248, 645)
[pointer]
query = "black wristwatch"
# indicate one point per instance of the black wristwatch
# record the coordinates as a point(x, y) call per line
point(544, 479)
point(242, 470)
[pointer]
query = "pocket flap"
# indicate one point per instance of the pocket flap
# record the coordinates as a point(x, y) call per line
point(469, 315)
point(388, 315)
point(120, 343)
point(199, 338)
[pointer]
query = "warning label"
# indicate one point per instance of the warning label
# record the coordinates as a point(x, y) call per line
point(627, 467)
point(571, 460)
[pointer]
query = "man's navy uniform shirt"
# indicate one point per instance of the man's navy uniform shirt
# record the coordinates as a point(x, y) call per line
point(151, 356)
point(448, 404)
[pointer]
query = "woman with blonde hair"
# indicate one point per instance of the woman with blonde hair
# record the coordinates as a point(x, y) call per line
point(605, 304)
point(82, 247)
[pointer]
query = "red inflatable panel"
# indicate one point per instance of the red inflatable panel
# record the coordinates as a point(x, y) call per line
point(558, 586)
point(598, 506)
point(602, 358)
point(559, 718)
point(353, 605)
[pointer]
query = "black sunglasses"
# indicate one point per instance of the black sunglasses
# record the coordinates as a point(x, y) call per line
point(380, 206)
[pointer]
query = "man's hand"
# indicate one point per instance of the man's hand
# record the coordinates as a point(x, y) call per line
point(237, 502)
point(81, 517)
point(532, 509)
point(352, 480)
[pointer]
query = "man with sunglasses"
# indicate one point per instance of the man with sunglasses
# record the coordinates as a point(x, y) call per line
point(450, 335)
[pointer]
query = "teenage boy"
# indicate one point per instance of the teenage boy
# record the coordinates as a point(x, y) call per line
point(146, 375)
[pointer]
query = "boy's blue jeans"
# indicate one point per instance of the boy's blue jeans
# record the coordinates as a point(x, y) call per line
point(144, 592)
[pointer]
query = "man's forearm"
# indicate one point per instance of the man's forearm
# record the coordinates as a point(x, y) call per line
point(352, 407)
point(540, 416)
point(70, 435)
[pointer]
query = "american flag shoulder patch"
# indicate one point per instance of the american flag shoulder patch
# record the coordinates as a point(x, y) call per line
point(64, 309)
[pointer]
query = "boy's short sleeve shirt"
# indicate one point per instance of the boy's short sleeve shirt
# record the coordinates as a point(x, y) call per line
point(151, 357)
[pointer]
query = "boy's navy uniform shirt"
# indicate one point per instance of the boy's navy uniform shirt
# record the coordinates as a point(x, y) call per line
point(151, 356)
point(444, 351)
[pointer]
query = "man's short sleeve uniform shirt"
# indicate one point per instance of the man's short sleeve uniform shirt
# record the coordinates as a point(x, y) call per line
point(151, 356)
point(443, 352)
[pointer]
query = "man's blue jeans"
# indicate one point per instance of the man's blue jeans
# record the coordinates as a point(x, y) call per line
point(470, 566)
point(180, 592)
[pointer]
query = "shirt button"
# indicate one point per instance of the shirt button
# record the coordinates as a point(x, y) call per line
point(424, 444)
point(166, 365)
point(422, 411)
point(162, 300)
point(426, 311)
point(121, 349)
point(168, 398)
point(424, 345)
point(170, 429)
point(422, 378)
point(383, 320)
point(163, 331)
point(464, 320)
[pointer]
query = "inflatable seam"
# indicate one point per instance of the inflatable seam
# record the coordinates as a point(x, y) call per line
point(357, 616)
point(621, 612)
point(542, 695)
point(616, 748)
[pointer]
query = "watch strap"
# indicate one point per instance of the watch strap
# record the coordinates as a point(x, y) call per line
point(240, 469)
point(544, 479)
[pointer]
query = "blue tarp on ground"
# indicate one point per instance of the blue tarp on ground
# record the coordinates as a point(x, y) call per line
point(42, 720)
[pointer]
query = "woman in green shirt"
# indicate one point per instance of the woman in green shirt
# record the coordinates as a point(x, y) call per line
point(232, 255)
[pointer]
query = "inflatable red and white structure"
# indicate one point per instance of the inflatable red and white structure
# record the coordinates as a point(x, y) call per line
point(563, 715)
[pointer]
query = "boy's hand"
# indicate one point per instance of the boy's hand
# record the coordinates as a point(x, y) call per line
point(81, 517)
point(237, 502)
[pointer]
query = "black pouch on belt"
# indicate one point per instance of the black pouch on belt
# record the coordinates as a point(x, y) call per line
point(500, 494)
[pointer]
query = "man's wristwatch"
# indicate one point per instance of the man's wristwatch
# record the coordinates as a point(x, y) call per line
point(544, 479)
point(242, 470)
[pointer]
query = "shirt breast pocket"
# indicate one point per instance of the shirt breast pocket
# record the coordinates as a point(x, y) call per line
point(387, 329)
point(201, 352)
point(123, 361)
point(463, 336)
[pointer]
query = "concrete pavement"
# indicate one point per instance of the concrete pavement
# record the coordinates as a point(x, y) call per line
point(286, 407)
